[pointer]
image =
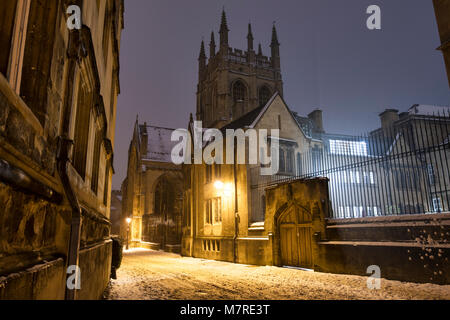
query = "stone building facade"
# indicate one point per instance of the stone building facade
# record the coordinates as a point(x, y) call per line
point(58, 96)
point(224, 207)
point(152, 191)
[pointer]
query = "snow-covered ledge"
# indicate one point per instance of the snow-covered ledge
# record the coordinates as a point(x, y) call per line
point(256, 226)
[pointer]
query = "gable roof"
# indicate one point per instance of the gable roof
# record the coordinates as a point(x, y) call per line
point(251, 119)
point(245, 121)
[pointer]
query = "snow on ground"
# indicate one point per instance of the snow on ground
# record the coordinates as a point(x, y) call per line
point(157, 275)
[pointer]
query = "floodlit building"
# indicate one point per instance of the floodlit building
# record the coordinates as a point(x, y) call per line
point(224, 204)
point(152, 191)
point(58, 96)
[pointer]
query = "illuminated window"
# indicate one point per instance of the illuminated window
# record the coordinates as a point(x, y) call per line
point(352, 148)
point(437, 205)
point(213, 211)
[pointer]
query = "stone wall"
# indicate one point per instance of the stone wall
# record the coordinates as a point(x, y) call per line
point(37, 200)
point(412, 248)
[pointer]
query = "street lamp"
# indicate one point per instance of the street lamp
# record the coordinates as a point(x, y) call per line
point(225, 188)
point(218, 185)
point(128, 220)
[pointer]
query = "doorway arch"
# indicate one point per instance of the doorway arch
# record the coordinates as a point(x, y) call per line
point(295, 229)
point(163, 225)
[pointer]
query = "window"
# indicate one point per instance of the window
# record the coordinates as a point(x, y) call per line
point(431, 175)
point(264, 95)
point(96, 161)
point(239, 91)
point(213, 211)
point(369, 177)
point(208, 211)
point(437, 205)
point(38, 54)
point(211, 245)
point(106, 189)
point(299, 164)
point(81, 130)
point(290, 161)
point(354, 177)
point(7, 15)
point(286, 157)
point(282, 166)
point(217, 210)
point(106, 33)
point(208, 173)
point(212, 171)
point(217, 171)
point(352, 148)
point(372, 211)
point(316, 159)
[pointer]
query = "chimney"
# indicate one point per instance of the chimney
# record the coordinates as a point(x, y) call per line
point(316, 118)
point(388, 117)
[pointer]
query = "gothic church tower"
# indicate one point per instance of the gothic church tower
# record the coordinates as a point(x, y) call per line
point(234, 82)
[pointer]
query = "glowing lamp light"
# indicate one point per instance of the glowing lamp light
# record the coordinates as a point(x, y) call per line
point(128, 220)
point(218, 185)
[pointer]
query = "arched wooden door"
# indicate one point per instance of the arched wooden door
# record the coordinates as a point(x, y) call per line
point(296, 237)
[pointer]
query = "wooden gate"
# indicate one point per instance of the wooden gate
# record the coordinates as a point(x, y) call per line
point(295, 225)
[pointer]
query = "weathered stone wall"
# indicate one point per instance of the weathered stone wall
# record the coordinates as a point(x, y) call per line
point(412, 248)
point(35, 226)
point(95, 266)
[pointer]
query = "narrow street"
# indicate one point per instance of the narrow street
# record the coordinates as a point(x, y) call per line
point(156, 275)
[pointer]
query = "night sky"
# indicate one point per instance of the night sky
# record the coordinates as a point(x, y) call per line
point(329, 59)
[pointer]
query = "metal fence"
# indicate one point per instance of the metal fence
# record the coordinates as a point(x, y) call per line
point(401, 169)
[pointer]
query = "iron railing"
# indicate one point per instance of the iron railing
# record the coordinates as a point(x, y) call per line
point(399, 169)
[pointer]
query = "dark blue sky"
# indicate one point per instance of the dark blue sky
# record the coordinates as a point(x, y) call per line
point(330, 60)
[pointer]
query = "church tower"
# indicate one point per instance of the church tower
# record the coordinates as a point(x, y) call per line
point(233, 82)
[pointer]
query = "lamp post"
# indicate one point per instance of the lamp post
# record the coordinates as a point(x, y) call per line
point(128, 220)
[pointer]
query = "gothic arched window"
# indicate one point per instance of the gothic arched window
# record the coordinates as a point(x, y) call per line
point(264, 95)
point(239, 91)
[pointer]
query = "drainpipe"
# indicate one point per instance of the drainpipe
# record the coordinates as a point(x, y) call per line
point(236, 210)
point(64, 145)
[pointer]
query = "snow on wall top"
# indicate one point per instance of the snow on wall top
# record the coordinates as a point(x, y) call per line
point(159, 147)
point(429, 110)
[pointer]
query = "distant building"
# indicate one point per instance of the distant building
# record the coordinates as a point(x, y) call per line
point(58, 97)
point(152, 190)
point(442, 9)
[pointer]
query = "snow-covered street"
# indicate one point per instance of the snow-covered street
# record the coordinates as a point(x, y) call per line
point(157, 275)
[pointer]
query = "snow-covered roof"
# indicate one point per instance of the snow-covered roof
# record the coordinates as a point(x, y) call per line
point(429, 110)
point(159, 147)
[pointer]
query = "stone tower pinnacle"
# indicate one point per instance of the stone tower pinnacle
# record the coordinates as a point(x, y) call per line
point(212, 46)
point(224, 31)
